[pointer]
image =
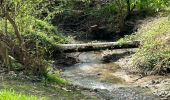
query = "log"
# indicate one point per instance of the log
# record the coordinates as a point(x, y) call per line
point(98, 46)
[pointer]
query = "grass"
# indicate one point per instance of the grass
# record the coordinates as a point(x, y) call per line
point(37, 89)
point(153, 56)
point(12, 95)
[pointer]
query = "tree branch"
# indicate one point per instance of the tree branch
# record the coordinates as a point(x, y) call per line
point(17, 33)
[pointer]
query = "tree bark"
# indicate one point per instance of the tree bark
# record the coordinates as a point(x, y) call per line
point(97, 46)
point(128, 8)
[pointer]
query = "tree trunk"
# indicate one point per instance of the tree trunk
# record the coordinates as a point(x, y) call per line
point(121, 14)
point(97, 46)
point(128, 8)
point(17, 33)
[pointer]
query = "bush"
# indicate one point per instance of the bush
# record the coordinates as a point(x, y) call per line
point(40, 40)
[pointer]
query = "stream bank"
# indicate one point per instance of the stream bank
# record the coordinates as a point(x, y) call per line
point(21, 85)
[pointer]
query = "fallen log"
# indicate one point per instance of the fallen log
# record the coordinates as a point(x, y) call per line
point(97, 46)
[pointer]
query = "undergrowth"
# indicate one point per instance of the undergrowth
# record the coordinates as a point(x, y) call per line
point(153, 55)
point(40, 40)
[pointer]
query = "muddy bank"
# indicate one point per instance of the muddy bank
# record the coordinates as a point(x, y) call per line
point(158, 85)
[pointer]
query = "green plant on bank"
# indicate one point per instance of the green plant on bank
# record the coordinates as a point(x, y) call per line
point(12, 95)
point(49, 92)
point(26, 29)
point(153, 56)
point(55, 78)
point(45, 34)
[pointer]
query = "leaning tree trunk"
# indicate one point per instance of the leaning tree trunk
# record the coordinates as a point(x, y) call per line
point(128, 7)
point(17, 33)
point(121, 15)
point(23, 53)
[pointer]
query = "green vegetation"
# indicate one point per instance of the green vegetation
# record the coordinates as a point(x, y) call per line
point(55, 78)
point(12, 95)
point(30, 31)
point(153, 55)
point(30, 38)
point(112, 14)
point(26, 37)
point(39, 90)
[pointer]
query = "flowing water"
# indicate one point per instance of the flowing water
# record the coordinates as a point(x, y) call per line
point(92, 73)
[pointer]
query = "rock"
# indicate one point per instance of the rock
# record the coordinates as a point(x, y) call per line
point(21, 74)
point(99, 74)
point(163, 94)
point(155, 82)
point(168, 96)
point(164, 98)
point(95, 90)
point(12, 74)
point(65, 89)
point(146, 86)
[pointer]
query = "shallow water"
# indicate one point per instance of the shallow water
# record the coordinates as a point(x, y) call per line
point(92, 73)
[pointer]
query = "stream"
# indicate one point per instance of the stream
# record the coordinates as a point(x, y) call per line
point(92, 73)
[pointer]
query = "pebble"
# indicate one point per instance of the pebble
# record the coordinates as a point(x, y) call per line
point(99, 74)
point(164, 98)
point(168, 96)
point(95, 90)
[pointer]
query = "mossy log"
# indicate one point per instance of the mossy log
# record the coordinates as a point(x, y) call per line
point(98, 46)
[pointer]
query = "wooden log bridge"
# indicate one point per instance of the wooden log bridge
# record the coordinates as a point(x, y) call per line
point(98, 46)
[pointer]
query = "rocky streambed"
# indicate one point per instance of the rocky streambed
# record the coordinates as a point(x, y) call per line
point(108, 77)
